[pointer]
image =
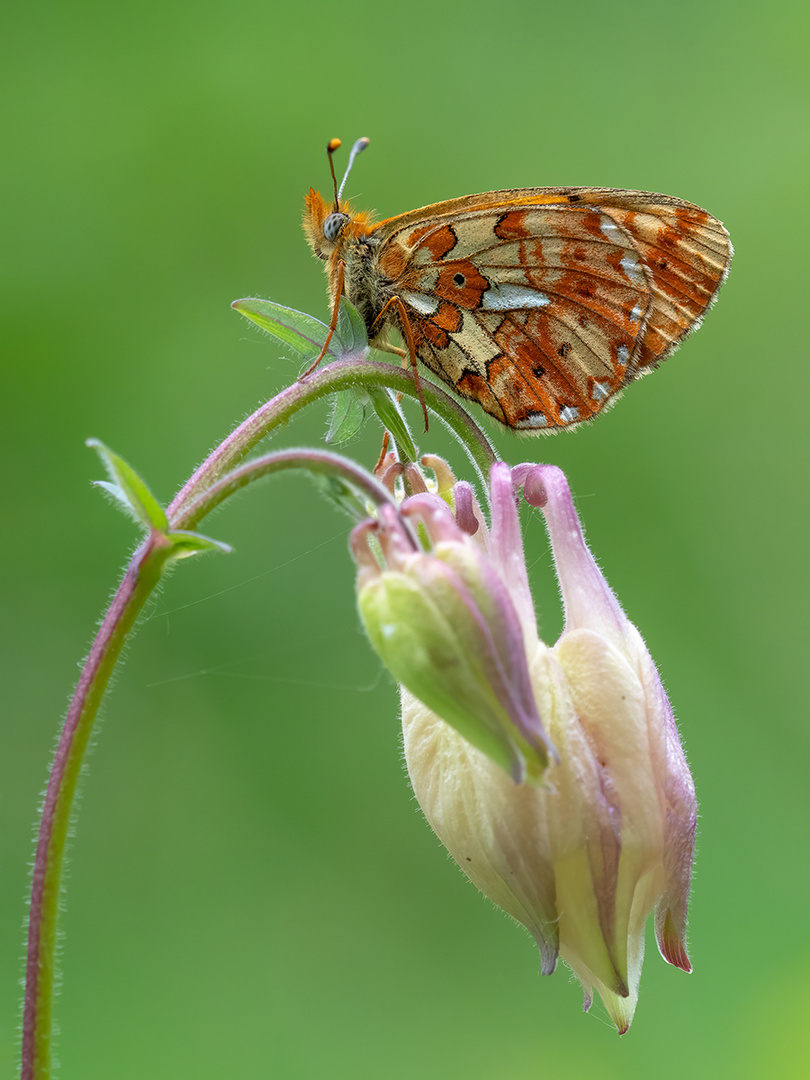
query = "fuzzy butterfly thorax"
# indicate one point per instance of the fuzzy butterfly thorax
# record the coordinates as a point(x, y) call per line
point(353, 244)
point(540, 304)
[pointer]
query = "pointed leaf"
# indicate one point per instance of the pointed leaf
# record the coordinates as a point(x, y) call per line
point(193, 543)
point(303, 332)
point(351, 329)
point(347, 417)
point(116, 494)
point(386, 407)
point(346, 497)
point(129, 489)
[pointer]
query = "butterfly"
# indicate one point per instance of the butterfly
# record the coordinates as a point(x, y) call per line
point(539, 304)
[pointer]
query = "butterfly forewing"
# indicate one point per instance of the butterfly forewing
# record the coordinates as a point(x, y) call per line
point(525, 311)
point(687, 253)
point(539, 303)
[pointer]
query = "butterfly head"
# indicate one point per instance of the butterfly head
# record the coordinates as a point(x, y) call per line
point(324, 223)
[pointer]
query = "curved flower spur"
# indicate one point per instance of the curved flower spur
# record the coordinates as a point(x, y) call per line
point(554, 775)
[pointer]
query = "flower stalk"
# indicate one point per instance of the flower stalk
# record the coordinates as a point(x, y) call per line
point(168, 538)
point(328, 380)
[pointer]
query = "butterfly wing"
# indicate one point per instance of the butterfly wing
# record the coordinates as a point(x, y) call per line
point(541, 304)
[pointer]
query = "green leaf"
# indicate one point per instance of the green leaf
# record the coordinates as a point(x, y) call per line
point(303, 332)
point(348, 415)
point(129, 489)
point(116, 494)
point(343, 495)
point(351, 329)
point(193, 543)
point(386, 407)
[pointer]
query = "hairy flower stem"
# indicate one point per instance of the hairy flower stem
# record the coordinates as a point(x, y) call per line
point(140, 579)
point(314, 461)
point(339, 375)
point(210, 485)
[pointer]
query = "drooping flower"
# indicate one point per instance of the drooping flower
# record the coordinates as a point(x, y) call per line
point(553, 775)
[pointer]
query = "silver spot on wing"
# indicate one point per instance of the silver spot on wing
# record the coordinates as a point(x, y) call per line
point(513, 298)
point(425, 305)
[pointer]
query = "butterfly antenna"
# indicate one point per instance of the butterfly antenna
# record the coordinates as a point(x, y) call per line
point(358, 147)
point(331, 147)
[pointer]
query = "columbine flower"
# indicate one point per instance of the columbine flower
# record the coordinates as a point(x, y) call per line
point(605, 832)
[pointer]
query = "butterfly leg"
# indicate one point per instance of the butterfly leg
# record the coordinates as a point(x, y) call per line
point(341, 269)
point(405, 325)
point(383, 452)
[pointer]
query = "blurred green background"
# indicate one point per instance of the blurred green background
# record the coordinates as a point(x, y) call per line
point(251, 889)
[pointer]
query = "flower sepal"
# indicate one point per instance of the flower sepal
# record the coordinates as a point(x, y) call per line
point(443, 623)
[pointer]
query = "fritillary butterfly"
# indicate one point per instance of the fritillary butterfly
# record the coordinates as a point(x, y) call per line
point(540, 304)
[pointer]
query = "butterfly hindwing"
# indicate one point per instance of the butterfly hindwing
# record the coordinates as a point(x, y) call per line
point(540, 304)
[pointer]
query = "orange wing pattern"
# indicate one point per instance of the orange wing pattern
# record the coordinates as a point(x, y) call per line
point(541, 304)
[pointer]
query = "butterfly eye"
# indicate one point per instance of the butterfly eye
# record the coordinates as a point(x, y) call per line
point(333, 224)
